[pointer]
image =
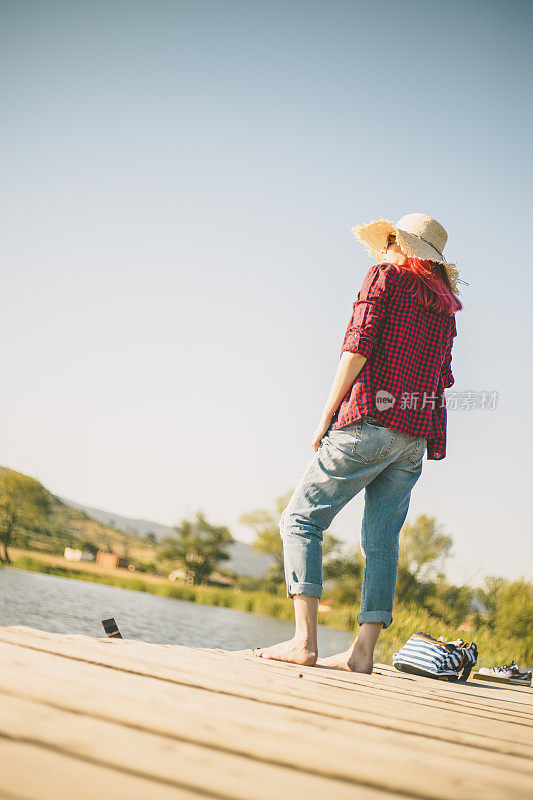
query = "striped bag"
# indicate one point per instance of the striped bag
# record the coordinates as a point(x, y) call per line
point(424, 655)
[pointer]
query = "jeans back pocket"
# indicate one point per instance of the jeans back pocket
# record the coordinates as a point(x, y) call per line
point(343, 438)
point(373, 442)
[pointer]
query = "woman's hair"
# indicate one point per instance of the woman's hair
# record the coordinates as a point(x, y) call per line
point(432, 286)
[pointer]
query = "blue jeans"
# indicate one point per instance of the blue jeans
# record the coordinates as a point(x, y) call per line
point(363, 455)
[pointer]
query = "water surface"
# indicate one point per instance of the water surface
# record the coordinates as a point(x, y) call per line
point(64, 605)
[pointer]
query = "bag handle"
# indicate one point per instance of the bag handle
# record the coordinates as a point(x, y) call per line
point(465, 674)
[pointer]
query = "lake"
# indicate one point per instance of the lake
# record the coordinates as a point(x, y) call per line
point(63, 605)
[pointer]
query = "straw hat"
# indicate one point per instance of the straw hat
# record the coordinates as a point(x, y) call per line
point(417, 235)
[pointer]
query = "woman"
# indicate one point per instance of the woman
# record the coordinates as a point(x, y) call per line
point(386, 408)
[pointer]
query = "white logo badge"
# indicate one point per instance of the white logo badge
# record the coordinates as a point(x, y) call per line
point(384, 400)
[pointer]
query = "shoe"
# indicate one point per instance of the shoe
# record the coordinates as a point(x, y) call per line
point(508, 672)
point(517, 677)
point(496, 672)
point(522, 679)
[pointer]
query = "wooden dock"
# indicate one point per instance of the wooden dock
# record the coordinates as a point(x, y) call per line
point(89, 718)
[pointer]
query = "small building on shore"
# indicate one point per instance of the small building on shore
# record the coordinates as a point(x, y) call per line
point(113, 561)
point(72, 554)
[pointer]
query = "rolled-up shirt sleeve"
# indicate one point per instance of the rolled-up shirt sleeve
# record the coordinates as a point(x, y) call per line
point(369, 310)
point(447, 375)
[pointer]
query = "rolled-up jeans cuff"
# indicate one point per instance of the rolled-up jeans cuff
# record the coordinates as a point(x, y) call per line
point(375, 616)
point(309, 589)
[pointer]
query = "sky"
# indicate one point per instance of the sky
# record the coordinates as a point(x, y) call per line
point(179, 183)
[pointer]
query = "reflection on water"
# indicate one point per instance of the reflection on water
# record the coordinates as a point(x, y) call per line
point(63, 605)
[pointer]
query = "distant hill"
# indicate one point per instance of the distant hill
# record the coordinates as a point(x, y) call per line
point(244, 560)
point(68, 525)
point(135, 527)
point(71, 522)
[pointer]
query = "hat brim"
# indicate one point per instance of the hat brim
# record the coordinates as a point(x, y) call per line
point(374, 237)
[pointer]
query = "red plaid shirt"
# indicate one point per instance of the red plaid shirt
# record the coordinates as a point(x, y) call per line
point(409, 355)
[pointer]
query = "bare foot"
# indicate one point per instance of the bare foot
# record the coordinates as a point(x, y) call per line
point(294, 650)
point(355, 659)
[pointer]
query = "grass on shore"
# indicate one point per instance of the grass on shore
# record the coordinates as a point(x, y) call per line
point(492, 649)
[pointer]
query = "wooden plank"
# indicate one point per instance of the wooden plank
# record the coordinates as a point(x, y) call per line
point(500, 743)
point(518, 698)
point(481, 698)
point(438, 721)
point(386, 760)
point(516, 694)
point(336, 706)
point(175, 656)
point(185, 766)
point(31, 772)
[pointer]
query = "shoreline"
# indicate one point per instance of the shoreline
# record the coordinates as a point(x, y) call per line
point(406, 620)
point(255, 602)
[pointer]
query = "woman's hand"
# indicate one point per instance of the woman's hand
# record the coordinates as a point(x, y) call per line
point(349, 367)
point(319, 433)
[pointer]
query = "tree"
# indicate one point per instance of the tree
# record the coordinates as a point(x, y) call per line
point(198, 547)
point(514, 616)
point(508, 611)
point(344, 569)
point(88, 546)
point(423, 548)
point(488, 596)
point(448, 602)
point(267, 535)
point(24, 503)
